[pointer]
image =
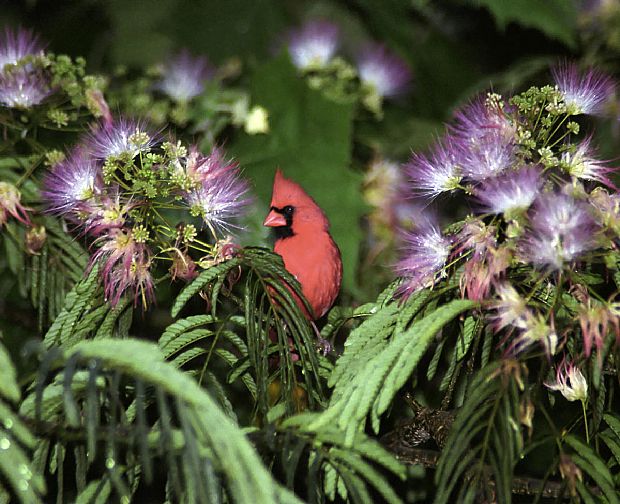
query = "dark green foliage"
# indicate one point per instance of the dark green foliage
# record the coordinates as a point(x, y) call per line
point(347, 471)
point(591, 464)
point(386, 357)
point(220, 390)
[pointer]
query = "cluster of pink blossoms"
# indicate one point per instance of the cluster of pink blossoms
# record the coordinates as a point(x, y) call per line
point(122, 187)
point(541, 206)
point(116, 184)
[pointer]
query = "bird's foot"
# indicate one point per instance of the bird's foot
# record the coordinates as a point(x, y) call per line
point(324, 346)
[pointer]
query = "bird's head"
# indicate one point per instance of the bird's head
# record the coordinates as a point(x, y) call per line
point(293, 210)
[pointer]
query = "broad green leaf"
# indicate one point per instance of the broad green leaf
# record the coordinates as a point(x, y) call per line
point(138, 31)
point(555, 18)
point(310, 141)
point(145, 32)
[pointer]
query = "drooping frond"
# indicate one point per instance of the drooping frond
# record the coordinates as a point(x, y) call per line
point(101, 395)
point(485, 442)
point(590, 462)
point(278, 347)
point(328, 467)
point(379, 357)
point(201, 337)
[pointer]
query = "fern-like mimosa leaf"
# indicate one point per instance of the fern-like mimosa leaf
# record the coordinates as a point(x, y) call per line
point(375, 380)
point(247, 479)
point(587, 459)
point(200, 282)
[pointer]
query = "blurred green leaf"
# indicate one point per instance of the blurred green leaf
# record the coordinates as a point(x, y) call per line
point(8, 378)
point(555, 18)
point(138, 39)
point(310, 140)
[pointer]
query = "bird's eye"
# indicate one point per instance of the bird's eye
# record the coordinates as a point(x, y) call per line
point(288, 210)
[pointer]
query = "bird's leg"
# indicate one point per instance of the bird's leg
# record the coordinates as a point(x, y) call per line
point(323, 345)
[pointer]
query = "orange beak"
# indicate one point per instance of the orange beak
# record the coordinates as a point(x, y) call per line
point(274, 219)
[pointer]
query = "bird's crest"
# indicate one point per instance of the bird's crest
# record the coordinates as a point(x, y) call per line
point(287, 192)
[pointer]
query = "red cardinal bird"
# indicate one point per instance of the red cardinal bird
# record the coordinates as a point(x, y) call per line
point(304, 242)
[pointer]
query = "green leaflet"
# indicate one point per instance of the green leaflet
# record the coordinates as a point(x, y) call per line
point(411, 308)
point(416, 340)
point(181, 326)
point(363, 343)
point(97, 492)
point(610, 439)
point(76, 303)
point(486, 433)
point(16, 427)
point(431, 370)
point(47, 276)
point(268, 308)
point(357, 464)
point(470, 327)
point(184, 357)
point(347, 469)
point(614, 422)
point(8, 378)
point(114, 315)
point(17, 471)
